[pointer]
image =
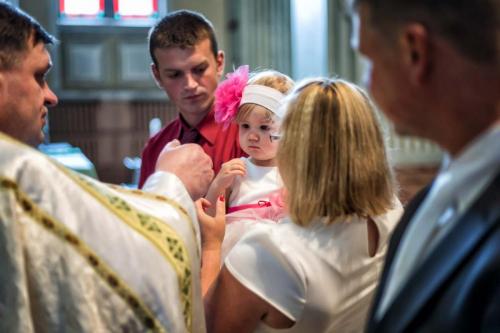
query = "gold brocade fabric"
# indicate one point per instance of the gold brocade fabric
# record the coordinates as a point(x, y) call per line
point(160, 234)
point(57, 229)
point(82, 256)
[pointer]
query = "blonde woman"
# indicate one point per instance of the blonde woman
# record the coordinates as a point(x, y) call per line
point(317, 271)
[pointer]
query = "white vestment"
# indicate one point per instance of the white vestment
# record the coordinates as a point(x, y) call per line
point(77, 255)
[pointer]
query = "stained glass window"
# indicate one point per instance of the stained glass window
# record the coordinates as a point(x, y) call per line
point(135, 8)
point(81, 8)
point(113, 9)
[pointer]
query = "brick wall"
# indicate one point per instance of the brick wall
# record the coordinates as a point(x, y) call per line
point(107, 132)
point(412, 179)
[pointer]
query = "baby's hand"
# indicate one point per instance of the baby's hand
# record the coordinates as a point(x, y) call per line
point(229, 171)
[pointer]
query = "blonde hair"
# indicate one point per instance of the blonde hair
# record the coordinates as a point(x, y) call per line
point(332, 155)
point(269, 78)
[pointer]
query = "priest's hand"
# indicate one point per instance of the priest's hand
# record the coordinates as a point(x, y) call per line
point(188, 162)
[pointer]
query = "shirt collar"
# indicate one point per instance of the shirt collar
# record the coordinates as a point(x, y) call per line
point(184, 126)
point(208, 128)
point(471, 170)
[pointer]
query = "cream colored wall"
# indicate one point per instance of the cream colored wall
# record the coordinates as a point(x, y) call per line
point(42, 11)
point(215, 11)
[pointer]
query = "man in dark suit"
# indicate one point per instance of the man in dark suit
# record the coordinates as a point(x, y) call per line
point(435, 72)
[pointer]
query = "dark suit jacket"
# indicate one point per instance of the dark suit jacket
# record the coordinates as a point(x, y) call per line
point(457, 288)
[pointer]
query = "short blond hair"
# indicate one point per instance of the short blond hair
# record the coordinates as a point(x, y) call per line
point(269, 78)
point(332, 154)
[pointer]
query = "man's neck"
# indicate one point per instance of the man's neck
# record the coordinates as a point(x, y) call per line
point(193, 120)
point(455, 142)
point(465, 99)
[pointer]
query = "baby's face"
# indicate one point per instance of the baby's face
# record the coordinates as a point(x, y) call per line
point(255, 137)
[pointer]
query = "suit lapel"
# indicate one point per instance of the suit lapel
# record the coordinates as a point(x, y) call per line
point(410, 210)
point(444, 260)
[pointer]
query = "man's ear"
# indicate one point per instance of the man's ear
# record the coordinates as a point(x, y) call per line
point(416, 51)
point(156, 75)
point(220, 61)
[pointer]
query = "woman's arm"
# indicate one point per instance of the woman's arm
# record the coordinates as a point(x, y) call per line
point(212, 235)
point(229, 305)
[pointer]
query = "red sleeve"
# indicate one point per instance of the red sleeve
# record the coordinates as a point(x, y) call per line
point(154, 147)
point(147, 167)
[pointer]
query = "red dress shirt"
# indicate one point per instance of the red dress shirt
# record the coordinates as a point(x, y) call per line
point(221, 145)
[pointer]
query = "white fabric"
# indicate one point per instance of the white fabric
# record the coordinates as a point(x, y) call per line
point(258, 183)
point(47, 285)
point(267, 97)
point(452, 193)
point(321, 276)
point(171, 186)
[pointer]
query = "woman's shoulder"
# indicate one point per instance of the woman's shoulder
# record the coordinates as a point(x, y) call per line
point(277, 243)
point(388, 221)
point(270, 237)
point(264, 265)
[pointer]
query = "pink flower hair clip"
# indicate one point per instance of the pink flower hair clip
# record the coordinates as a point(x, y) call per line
point(228, 95)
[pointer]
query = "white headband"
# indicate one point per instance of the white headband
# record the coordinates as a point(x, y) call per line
point(264, 96)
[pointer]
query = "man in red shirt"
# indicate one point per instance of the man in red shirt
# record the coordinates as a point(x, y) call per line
point(187, 65)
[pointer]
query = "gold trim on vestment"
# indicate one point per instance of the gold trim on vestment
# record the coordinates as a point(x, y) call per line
point(160, 234)
point(160, 198)
point(156, 231)
point(102, 269)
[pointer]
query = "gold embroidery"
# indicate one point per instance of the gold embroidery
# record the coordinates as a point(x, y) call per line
point(183, 269)
point(100, 267)
point(183, 212)
point(160, 234)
